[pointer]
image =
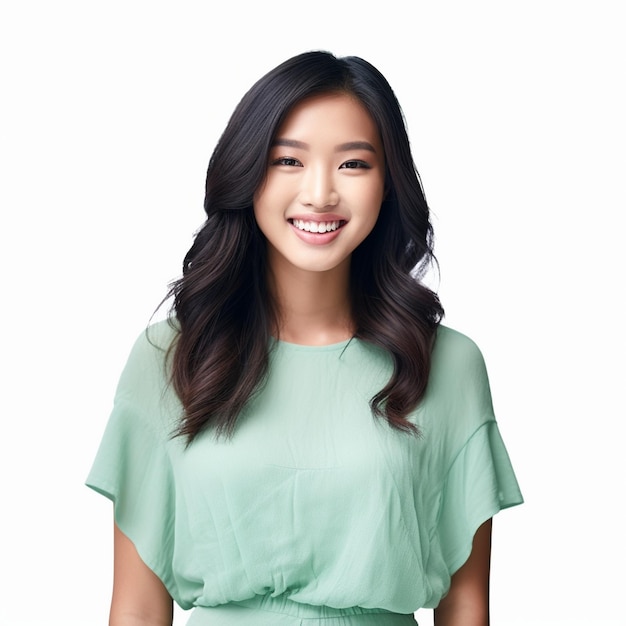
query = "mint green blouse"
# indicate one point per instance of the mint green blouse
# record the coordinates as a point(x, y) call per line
point(313, 497)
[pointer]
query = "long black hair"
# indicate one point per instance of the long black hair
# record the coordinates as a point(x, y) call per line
point(222, 307)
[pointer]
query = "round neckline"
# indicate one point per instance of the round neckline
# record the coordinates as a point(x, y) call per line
point(300, 347)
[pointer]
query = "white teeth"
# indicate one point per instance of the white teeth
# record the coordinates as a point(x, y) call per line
point(315, 227)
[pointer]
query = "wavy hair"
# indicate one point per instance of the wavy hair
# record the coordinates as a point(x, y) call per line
point(222, 306)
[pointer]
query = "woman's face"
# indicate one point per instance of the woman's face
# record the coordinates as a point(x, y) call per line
point(324, 185)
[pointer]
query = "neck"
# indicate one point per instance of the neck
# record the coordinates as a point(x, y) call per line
point(313, 307)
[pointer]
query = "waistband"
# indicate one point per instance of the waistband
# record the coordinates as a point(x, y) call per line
point(280, 610)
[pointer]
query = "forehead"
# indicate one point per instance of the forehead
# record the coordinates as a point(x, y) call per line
point(334, 117)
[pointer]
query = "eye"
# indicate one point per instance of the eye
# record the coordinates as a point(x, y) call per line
point(287, 161)
point(354, 164)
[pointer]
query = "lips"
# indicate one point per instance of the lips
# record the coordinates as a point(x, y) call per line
point(317, 231)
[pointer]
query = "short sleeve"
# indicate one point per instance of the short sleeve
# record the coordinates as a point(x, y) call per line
point(477, 478)
point(132, 466)
point(480, 483)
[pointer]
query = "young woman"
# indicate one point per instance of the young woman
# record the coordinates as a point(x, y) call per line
point(303, 442)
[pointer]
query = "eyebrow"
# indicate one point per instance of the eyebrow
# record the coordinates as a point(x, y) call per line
point(291, 143)
point(355, 145)
point(344, 147)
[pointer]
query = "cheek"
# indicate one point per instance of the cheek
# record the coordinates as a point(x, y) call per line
point(372, 218)
point(261, 204)
point(371, 201)
point(270, 197)
point(268, 207)
point(256, 208)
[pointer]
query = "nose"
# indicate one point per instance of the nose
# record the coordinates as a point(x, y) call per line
point(318, 189)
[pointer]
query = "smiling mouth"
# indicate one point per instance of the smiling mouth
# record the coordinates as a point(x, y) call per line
point(317, 227)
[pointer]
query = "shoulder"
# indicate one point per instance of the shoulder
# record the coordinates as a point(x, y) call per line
point(457, 402)
point(157, 337)
point(455, 350)
point(153, 342)
point(458, 381)
point(146, 367)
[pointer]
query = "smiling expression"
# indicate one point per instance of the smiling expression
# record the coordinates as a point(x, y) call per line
point(324, 185)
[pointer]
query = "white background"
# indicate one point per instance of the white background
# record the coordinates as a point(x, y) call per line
point(516, 114)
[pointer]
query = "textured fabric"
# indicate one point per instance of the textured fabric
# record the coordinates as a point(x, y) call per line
point(314, 500)
point(280, 611)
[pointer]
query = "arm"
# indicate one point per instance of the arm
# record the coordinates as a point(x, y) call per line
point(467, 602)
point(139, 597)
